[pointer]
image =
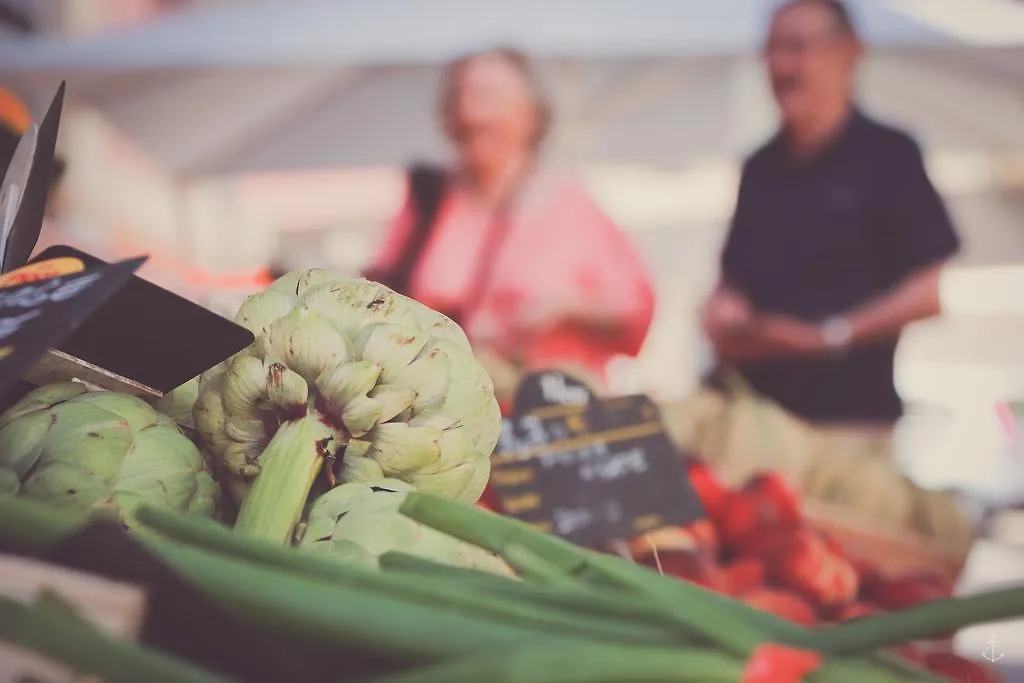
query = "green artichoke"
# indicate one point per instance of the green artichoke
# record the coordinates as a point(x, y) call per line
point(88, 450)
point(178, 403)
point(358, 523)
point(349, 373)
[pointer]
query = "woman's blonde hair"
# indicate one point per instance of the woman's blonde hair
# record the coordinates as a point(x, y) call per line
point(524, 67)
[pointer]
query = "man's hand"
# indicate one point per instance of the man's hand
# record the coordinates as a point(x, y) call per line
point(739, 334)
point(725, 312)
point(788, 335)
point(770, 336)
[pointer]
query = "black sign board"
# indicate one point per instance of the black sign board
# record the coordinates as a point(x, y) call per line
point(160, 337)
point(146, 337)
point(540, 389)
point(587, 469)
point(27, 186)
point(36, 316)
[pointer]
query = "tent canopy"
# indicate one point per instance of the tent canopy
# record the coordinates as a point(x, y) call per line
point(296, 84)
point(357, 32)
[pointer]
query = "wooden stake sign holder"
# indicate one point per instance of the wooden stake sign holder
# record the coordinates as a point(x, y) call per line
point(57, 366)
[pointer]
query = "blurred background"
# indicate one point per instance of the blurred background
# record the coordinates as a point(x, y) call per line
point(224, 136)
point(221, 136)
point(229, 137)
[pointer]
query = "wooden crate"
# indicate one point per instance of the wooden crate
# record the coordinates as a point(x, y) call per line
point(890, 551)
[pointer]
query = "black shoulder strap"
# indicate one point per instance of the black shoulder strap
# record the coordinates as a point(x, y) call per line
point(426, 189)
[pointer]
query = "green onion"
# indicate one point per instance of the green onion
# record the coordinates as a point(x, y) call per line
point(536, 569)
point(415, 590)
point(404, 563)
point(29, 527)
point(582, 604)
point(580, 664)
point(499, 533)
point(927, 620)
point(728, 624)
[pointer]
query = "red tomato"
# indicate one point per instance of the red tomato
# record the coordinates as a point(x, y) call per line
point(737, 521)
point(856, 610)
point(783, 604)
point(707, 487)
point(490, 500)
point(900, 592)
point(744, 575)
point(807, 567)
point(781, 504)
point(758, 519)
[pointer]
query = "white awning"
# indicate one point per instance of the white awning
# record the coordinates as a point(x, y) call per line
point(360, 33)
point(302, 84)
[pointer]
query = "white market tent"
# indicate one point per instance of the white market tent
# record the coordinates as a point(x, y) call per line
point(328, 83)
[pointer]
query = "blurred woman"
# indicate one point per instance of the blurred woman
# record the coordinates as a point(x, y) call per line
point(518, 253)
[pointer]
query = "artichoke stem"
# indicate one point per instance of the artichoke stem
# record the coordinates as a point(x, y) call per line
point(289, 466)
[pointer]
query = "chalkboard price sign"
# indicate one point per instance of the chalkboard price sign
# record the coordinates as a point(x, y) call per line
point(587, 469)
point(37, 316)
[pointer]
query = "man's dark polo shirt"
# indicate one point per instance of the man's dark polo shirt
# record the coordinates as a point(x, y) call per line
point(816, 237)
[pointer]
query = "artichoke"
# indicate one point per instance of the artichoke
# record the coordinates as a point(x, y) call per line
point(177, 403)
point(94, 450)
point(349, 373)
point(360, 522)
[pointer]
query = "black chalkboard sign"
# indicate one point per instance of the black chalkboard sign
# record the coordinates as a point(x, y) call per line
point(161, 337)
point(37, 316)
point(540, 389)
point(27, 186)
point(587, 469)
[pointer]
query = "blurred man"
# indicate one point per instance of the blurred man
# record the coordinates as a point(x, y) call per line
point(837, 240)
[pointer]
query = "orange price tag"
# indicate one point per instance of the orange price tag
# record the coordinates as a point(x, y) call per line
point(41, 271)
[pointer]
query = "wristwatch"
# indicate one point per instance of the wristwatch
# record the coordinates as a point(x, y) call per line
point(836, 332)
